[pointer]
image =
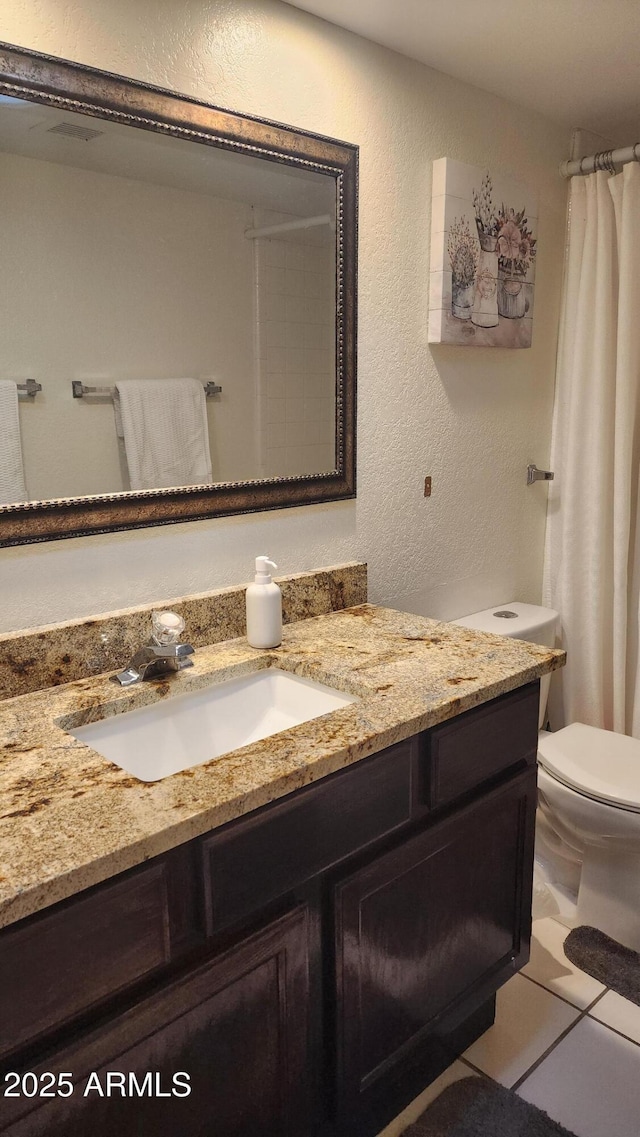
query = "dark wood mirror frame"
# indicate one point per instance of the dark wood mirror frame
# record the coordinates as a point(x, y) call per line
point(84, 90)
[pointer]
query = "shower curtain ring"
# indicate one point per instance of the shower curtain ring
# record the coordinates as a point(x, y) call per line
point(603, 160)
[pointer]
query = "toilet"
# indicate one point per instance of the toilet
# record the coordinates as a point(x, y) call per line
point(588, 819)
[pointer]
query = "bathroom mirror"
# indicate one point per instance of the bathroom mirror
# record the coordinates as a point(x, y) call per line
point(178, 303)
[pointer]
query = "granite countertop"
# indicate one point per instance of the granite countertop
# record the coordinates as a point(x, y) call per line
point(70, 819)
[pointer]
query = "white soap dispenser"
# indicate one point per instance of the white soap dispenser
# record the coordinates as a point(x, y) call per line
point(264, 607)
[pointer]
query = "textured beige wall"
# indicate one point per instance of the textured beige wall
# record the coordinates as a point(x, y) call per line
point(471, 418)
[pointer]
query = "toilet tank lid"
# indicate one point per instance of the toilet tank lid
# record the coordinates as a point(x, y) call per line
point(597, 763)
point(520, 621)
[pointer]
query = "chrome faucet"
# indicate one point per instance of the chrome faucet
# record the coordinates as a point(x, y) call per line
point(161, 654)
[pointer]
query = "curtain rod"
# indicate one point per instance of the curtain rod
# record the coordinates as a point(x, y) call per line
point(603, 160)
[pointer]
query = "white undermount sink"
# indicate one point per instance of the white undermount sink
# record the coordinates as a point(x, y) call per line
point(187, 730)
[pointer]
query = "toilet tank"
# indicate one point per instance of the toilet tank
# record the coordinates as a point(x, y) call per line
point(520, 622)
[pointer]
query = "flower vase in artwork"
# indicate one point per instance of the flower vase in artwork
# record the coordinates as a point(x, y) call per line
point(485, 301)
point(516, 252)
point(512, 301)
point(463, 258)
point(462, 293)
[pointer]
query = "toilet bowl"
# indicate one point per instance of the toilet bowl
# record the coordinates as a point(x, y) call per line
point(588, 819)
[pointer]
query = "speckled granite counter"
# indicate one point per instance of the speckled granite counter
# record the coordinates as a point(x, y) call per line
point(69, 818)
point(60, 653)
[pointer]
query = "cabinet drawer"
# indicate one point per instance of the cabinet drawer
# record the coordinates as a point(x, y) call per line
point(58, 964)
point(251, 862)
point(480, 743)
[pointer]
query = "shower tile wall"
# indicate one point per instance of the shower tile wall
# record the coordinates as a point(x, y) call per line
point(295, 289)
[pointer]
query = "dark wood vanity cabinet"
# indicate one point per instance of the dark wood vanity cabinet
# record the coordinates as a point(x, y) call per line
point(424, 934)
point(310, 967)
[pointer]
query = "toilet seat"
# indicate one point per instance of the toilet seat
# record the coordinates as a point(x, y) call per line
point(600, 764)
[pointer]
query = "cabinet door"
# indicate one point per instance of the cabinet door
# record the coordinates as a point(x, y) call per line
point(425, 934)
point(237, 1026)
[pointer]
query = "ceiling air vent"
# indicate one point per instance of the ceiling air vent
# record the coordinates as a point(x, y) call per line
point(72, 130)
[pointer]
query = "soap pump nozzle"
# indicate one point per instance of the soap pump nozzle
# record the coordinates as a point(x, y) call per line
point(264, 567)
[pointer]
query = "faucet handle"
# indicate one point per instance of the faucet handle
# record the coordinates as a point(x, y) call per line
point(166, 627)
point(161, 654)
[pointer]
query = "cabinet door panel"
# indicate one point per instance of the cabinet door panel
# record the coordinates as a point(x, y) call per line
point(237, 1026)
point(430, 930)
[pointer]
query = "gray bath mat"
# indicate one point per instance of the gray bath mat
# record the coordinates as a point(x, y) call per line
point(616, 966)
point(477, 1107)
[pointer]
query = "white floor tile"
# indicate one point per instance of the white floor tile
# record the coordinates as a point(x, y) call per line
point(590, 1083)
point(453, 1074)
point(528, 1020)
point(619, 1013)
point(549, 965)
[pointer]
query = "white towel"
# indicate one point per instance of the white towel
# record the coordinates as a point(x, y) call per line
point(164, 425)
point(12, 487)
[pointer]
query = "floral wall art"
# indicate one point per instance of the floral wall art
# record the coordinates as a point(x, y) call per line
point(483, 257)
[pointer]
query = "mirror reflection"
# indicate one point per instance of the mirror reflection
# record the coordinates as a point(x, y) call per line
point(183, 293)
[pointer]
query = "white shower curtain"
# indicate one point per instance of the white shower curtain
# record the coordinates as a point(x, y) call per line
point(592, 557)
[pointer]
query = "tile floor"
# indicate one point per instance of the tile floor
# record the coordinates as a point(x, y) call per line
point(562, 1041)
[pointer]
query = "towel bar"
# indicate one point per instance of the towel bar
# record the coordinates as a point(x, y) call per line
point(81, 389)
point(30, 388)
